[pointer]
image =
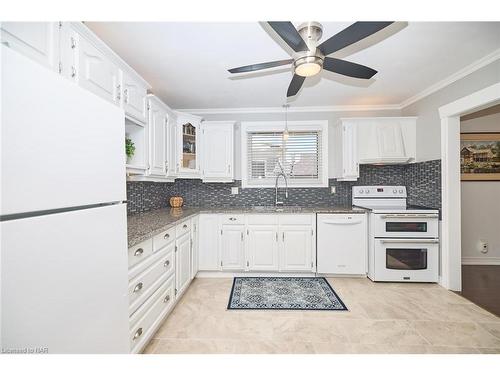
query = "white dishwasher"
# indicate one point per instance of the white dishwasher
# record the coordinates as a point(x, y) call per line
point(342, 244)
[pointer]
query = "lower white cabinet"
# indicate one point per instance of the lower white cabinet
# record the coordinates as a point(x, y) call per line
point(262, 247)
point(232, 247)
point(296, 248)
point(182, 263)
point(208, 242)
point(194, 246)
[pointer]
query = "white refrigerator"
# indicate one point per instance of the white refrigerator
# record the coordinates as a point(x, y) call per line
point(62, 215)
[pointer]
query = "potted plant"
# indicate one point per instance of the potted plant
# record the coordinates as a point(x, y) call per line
point(129, 148)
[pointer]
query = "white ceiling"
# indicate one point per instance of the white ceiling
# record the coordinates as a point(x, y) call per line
point(186, 63)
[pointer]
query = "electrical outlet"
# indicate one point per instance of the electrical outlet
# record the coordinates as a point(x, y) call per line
point(483, 246)
point(333, 189)
point(235, 190)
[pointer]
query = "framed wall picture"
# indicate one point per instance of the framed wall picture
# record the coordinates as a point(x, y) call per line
point(480, 156)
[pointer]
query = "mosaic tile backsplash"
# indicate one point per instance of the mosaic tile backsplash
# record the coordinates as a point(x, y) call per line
point(423, 181)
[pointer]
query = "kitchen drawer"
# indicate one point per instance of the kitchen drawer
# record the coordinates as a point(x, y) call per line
point(138, 253)
point(143, 285)
point(147, 318)
point(182, 228)
point(163, 239)
point(261, 219)
point(296, 219)
point(233, 219)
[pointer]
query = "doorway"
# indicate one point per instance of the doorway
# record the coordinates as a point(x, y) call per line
point(480, 206)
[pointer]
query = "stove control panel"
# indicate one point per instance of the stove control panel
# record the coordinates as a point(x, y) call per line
point(379, 191)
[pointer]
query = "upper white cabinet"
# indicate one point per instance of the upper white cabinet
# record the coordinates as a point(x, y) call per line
point(97, 73)
point(158, 131)
point(345, 150)
point(37, 40)
point(187, 145)
point(134, 97)
point(386, 140)
point(217, 157)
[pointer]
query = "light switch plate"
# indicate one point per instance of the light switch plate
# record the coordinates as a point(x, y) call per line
point(235, 190)
point(333, 189)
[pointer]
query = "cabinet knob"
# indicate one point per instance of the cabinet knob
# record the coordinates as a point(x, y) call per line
point(166, 299)
point(118, 92)
point(232, 218)
point(138, 252)
point(138, 287)
point(185, 226)
point(137, 334)
point(166, 264)
point(73, 43)
point(166, 236)
point(73, 72)
point(125, 95)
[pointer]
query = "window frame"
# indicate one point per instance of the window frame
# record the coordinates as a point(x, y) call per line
point(279, 126)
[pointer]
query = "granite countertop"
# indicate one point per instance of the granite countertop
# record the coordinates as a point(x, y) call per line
point(146, 225)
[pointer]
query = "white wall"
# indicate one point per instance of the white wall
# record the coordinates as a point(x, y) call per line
point(429, 123)
point(332, 117)
point(481, 205)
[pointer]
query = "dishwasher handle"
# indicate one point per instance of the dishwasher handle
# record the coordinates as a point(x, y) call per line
point(342, 222)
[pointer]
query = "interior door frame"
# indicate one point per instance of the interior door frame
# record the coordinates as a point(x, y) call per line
point(451, 252)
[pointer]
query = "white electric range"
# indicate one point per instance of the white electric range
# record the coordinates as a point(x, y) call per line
point(403, 242)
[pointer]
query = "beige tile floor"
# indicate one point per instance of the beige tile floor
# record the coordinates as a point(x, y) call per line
point(382, 318)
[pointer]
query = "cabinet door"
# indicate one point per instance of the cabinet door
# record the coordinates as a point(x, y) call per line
point(36, 40)
point(350, 152)
point(182, 263)
point(187, 139)
point(194, 246)
point(232, 247)
point(296, 248)
point(157, 139)
point(134, 98)
point(208, 247)
point(97, 73)
point(262, 248)
point(217, 153)
point(390, 140)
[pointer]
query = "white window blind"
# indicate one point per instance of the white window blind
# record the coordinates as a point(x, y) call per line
point(300, 155)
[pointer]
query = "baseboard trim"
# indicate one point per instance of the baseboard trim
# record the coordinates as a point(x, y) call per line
point(481, 261)
point(222, 274)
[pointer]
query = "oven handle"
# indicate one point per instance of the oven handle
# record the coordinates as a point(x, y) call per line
point(409, 240)
point(409, 216)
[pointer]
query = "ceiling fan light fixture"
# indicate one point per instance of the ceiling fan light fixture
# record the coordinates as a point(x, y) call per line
point(308, 66)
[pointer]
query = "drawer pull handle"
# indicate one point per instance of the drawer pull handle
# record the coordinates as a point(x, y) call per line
point(167, 298)
point(166, 236)
point(166, 264)
point(232, 218)
point(137, 334)
point(138, 287)
point(138, 252)
point(185, 226)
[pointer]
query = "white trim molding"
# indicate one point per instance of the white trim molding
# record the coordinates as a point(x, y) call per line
point(471, 68)
point(481, 261)
point(451, 253)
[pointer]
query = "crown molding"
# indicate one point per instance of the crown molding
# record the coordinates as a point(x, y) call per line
point(333, 108)
point(476, 65)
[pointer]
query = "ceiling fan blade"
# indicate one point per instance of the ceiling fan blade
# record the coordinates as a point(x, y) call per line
point(352, 34)
point(348, 68)
point(254, 67)
point(295, 85)
point(289, 34)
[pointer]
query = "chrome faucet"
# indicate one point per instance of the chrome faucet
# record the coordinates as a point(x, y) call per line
point(280, 173)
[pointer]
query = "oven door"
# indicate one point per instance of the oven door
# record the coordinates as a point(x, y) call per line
point(410, 259)
point(405, 225)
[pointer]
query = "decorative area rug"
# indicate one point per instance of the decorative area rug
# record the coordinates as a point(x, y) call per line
point(283, 293)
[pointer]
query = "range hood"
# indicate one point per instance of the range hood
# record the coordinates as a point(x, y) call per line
point(386, 140)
